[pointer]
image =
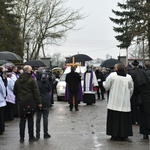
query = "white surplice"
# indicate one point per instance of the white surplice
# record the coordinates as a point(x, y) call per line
point(121, 90)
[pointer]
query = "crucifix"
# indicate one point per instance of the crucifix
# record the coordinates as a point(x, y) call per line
point(73, 63)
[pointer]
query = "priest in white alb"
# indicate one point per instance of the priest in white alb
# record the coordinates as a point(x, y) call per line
point(90, 81)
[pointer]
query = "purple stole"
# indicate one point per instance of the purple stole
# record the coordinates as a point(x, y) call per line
point(33, 76)
point(91, 78)
point(80, 96)
point(17, 76)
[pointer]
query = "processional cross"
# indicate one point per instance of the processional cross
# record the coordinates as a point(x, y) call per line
point(73, 63)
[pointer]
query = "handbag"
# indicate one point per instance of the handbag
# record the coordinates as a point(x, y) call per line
point(95, 88)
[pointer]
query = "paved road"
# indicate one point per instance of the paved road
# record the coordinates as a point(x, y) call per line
point(82, 130)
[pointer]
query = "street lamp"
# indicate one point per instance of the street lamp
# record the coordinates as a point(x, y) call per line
point(143, 50)
point(50, 62)
point(28, 42)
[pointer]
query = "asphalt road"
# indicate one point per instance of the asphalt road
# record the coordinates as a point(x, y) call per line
point(77, 130)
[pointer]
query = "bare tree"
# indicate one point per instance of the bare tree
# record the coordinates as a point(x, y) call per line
point(46, 22)
point(139, 49)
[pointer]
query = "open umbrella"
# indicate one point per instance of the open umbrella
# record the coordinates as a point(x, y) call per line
point(109, 63)
point(8, 65)
point(4, 61)
point(6, 55)
point(35, 63)
point(80, 58)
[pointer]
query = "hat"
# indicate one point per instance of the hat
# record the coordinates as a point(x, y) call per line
point(135, 63)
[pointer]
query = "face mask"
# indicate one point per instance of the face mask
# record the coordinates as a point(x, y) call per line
point(89, 69)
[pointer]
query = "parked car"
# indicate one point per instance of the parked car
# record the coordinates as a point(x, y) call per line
point(61, 85)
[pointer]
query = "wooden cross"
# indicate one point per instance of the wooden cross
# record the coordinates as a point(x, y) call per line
point(73, 63)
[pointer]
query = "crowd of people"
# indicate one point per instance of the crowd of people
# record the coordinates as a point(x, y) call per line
point(24, 93)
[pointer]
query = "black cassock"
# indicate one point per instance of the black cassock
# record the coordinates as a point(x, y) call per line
point(2, 124)
point(145, 110)
point(119, 124)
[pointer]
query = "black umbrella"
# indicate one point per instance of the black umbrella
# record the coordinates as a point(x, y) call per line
point(79, 58)
point(4, 62)
point(6, 55)
point(35, 63)
point(109, 63)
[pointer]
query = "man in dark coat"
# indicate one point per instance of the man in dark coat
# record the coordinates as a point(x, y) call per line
point(147, 68)
point(135, 97)
point(144, 88)
point(44, 85)
point(28, 96)
point(100, 79)
point(73, 81)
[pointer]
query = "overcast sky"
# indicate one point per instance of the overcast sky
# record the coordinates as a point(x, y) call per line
point(96, 38)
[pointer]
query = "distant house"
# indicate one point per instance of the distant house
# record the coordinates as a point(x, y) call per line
point(130, 60)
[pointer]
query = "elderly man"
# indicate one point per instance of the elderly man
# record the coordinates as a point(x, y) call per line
point(120, 85)
point(27, 94)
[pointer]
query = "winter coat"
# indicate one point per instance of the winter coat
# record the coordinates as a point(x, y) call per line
point(27, 92)
point(44, 87)
point(73, 79)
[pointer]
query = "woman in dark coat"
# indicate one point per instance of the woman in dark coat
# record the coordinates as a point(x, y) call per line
point(44, 87)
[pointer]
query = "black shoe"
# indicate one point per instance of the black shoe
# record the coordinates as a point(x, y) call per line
point(103, 98)
point(145, 136)
point(21, 140)
point(113, 138)
point(70, 109)
point(47, 136)
point(77, 109)
point(121, 139)
point(32, 139)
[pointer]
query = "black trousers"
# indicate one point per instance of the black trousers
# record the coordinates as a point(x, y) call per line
point(100, 90)
point(9, 112)
point(16, 109)
point(75, 96)
point(22, 125)
point(39, 113)
point(2, 123)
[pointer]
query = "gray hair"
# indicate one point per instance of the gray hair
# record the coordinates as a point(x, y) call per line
point(27, 68)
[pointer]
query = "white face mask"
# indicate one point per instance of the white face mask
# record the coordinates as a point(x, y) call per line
point(89, 69)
